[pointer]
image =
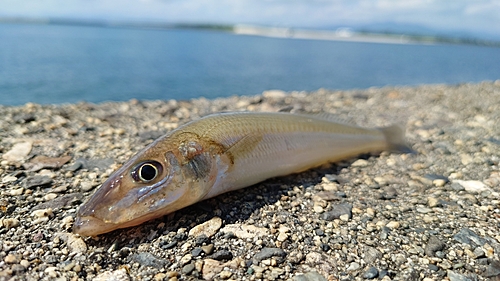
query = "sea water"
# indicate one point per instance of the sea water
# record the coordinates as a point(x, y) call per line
point(66, 64)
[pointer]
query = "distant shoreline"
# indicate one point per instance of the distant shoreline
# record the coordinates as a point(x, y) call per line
point(339, 34)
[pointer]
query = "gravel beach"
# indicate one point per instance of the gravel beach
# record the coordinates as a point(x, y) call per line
point(433, 215)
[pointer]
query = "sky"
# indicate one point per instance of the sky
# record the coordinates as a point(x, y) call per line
point(479, 18)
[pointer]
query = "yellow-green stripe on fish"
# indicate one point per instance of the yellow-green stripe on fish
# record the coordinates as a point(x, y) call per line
point(220, 153)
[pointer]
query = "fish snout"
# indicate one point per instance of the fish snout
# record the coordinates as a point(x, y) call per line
point(91, 226)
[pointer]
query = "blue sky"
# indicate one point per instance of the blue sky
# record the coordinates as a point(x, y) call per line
point(478, 17)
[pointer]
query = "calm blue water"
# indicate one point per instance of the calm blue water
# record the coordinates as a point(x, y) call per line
point(59, 64)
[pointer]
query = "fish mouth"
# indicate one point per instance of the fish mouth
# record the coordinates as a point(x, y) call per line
point(91, 226)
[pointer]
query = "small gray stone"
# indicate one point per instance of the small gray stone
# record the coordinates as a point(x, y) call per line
point(493, 269)
point(221, 255)
point(353, 266)
point(35, 181)
point(147, 259)
point(337, 211)
point(24, 118)
point(478, 252)
point(457, 277)
point(60, 202)
point(196, 251)
point(372, 255)
point(266, 253)
point(457, 187)
point(188, 268)
point(91, 164)
point(433, 245)
point(310, 276)
point(169, 245)
point(18, 269)
point(202, 239)
point(469, 237)
point(370, 273)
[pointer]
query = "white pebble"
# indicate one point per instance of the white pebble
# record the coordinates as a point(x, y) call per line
point(18, 152)
point(473, 186)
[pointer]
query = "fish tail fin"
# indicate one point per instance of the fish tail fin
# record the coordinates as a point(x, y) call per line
point(395, 138)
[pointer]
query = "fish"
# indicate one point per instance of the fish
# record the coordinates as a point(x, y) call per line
point(223, 152)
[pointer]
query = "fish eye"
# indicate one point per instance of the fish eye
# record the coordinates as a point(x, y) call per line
point(147, 171)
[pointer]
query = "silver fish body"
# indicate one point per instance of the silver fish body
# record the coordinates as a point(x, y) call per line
point(220, 153)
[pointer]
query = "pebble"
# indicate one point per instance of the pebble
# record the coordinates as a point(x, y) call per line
point(10, 258)
point(44, 162)
point(188, 268)
point(52, 272)
point(329, 187)
point(49, 196)
point(360, 163)
point(42, 213)
point(266, 253)
point(472, 186)
point(91, 164)
point(433, 202)
point(9, 223)
point(116, 275)
point(370, 273)
point(274, 94)
point(25, 263)
point(60, 202)
point(148, 259)
point(18, 152)
point(325, 264)
point(456, 276)
point(244, 231)
point(75, 243)
point(353, 266)
point(212, 267)
point(309, 276)
point(9, 179)
point(86, 186)
point(469, 237)
point(423, 210)
point(36, 181)
point(337, 211)
point(318, 209)
point(186, 259)
point(439, 182)
point(196, 252)
point(371, 255)
point(221, 255)
point(18, 269)
point(225, 274)
point(493, 269)
point(433, 245)
point(282, 236)
point(208, 249)
point(393, 225)
point(208, 228)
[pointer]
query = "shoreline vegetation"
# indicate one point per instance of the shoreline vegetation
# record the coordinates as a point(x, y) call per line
point(335, 34)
